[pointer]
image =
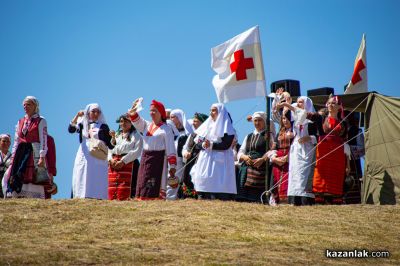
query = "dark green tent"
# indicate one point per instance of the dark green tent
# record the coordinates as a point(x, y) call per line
point(382, 144)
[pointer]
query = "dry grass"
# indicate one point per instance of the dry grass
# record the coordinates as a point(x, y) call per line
point(191, 232)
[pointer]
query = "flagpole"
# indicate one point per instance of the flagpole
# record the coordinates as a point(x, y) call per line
point(268, 133)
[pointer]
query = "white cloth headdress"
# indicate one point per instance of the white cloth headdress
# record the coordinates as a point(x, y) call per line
point(35, 102)
point(215, 130)
point(173, 127)
point(2, 136)
point(301, 114)
point(182, 118)
point(259, 114)
point(85, 118)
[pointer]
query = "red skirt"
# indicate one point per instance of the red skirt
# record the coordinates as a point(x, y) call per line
point(330, 169)
point(281, 174)
point(119, 181)
point(150, 175)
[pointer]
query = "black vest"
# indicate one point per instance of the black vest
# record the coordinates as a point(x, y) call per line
point(257, 143)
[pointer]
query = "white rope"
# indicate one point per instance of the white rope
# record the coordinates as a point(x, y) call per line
point(344, 119)
point(365, 132)
point(315, 147)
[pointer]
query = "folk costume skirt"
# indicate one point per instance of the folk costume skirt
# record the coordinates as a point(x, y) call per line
point(119, 181)
point(150, 175)
point(329, 170)
point(280, 178)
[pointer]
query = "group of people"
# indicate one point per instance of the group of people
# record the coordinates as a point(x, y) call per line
point(172, 157)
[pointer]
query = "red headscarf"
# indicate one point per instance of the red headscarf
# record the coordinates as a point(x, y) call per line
point(160, 107)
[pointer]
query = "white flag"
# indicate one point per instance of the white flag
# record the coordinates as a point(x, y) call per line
point(359, 80)
point(239, 67)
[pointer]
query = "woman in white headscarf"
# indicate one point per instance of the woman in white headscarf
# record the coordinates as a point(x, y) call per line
point(302, 154)
point(184, 129)
point(252, 156)
point(28, 155)
point(89, 178)
point(214, 173)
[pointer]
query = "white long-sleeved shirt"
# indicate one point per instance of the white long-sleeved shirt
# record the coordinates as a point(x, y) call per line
point(131, 148)
point(157, 138)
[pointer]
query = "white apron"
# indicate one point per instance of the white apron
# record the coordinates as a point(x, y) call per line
point(301, 158)
point(90, 177)
point(214, 172)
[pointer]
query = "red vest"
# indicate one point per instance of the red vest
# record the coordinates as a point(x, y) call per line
point(32, 135)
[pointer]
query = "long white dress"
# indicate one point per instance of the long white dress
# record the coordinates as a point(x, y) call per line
point(301, 158)
point(214, 171)
point(90, 178)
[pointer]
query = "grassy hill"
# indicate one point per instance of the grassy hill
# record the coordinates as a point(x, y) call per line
point(191, 232)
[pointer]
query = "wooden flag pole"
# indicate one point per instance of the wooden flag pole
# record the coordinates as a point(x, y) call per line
point(268, 134)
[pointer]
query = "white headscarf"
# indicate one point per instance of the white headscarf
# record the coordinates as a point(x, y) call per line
point(7, 136)
point(308, 104)
point(259, 114)
point(35, 102)
point(215, 130)
point(85, 118)
point(173, 127)
point(182, 118)
point(302, 113)
point(263, 116)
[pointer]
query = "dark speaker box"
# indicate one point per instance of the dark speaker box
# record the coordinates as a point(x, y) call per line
point(290, 85)
point(321, 91)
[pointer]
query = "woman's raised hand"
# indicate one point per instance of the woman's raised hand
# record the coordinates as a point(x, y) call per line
point(279, 91)
point(132, 111)
point(78, 114)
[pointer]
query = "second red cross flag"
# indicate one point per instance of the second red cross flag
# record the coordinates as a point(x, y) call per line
point(359, 79)
point(239, 67)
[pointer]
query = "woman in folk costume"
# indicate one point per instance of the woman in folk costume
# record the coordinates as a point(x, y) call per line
point(331, 163)
point(253, 157)
point(214, 172)
point(184, 129)
point(27, 176)
point(158, 150)
point(128, 146)
point(5, 157)
point(280, 161)
point(89, 178)
point(190, 151)
point(302, 154)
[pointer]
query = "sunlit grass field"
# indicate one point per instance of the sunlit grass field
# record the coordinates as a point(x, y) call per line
point(189, 232)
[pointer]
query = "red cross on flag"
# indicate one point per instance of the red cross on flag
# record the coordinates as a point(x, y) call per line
point(359, 79)
point(239, 67)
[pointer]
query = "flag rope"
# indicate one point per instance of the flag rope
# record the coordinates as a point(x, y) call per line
point(365, 132)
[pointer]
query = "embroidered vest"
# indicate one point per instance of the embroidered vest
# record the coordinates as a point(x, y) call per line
point(256, 143)
point(32, 134)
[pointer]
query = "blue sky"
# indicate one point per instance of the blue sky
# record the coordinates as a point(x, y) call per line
point(71, 53)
